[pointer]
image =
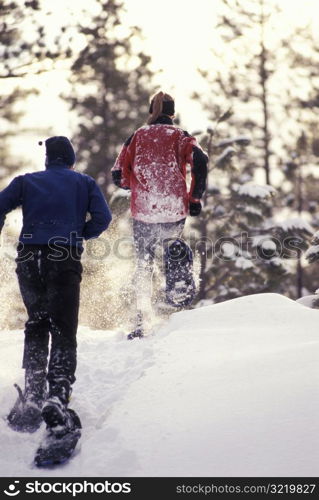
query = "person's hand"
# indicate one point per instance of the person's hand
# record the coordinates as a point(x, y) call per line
point(195, 208)
point(2, 220)
point(117, 179)
point(117, 176)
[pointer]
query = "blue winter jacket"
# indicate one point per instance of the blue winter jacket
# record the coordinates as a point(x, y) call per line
point(55, 203)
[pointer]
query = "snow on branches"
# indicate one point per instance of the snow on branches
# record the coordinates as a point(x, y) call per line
point(312, 254)
point(251, 190)
point(295, 224)
point(223, 159)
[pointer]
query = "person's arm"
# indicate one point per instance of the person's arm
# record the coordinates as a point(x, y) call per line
point(198, 161)
point(199, 176)
point(10, 198)
point(121, 172)
point(100, 213)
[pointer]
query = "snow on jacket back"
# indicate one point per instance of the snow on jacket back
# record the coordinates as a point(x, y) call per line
point(55, 203)
point(152, 163)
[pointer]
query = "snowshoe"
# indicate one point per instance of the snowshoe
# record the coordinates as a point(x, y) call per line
point(178, 264)
point(60, 440)
point(136, 334)
point(26, 415)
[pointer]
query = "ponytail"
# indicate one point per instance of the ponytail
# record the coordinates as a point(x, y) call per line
point(158, 106)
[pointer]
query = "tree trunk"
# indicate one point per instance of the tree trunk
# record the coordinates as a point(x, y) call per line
point(204, 234)
point(300, 208)
point(264, 96)
point(299, 277)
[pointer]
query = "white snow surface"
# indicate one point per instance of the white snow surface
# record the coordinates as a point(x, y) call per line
point(223, 390)
point(308, 300)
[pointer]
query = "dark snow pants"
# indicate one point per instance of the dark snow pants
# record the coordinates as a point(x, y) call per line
point(49, 281)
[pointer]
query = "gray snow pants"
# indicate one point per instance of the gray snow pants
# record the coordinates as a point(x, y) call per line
point(150, 240)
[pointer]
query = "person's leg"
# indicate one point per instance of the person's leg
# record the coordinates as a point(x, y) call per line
point(178, 266)
point(33, 292)
point(63, 278)
point(26, 414)
point(170, 231)
point(145, 242)
point(150, 241)
point(167, 233)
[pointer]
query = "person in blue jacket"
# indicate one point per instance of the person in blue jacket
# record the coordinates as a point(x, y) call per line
point(55, 204)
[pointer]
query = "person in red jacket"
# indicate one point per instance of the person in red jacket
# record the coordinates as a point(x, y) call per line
point(152, 164)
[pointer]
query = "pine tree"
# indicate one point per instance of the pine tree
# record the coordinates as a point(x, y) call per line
point(24, 51)
point(111, 87)
point(239, 252)
point(263, 79)
point(299, 193)
point(300, 190)
point(259, 71)
point(243, 74)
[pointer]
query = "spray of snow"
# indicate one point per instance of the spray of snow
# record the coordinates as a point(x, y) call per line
point(106, 288)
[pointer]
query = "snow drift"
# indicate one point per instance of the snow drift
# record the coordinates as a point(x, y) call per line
point(223, 390)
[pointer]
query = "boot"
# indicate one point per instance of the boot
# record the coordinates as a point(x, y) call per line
point(138, 331)
point(55, 408)
point(25, 416)
point(63, 429)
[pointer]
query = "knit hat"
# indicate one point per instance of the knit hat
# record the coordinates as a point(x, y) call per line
point(167, 109)
point(59, 148)
point(161, 104)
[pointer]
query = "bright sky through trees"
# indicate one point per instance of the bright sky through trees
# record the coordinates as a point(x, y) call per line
point(178, 35)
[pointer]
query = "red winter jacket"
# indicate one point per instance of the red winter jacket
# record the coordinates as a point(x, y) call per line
point(152, 164)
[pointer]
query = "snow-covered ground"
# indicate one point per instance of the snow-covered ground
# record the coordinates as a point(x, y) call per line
point(224, 390)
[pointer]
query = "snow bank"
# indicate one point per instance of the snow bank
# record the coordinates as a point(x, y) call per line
point(223, 390)
point(310, 300)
